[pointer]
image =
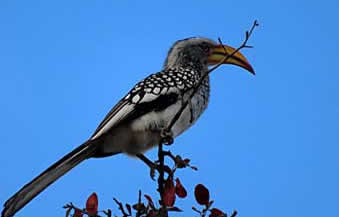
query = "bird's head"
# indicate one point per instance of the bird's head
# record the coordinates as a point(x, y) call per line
point(201, 53)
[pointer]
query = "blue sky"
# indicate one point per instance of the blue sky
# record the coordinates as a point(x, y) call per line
point(266, 146)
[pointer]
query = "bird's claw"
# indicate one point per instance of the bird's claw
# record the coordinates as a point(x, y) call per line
point(166, 137)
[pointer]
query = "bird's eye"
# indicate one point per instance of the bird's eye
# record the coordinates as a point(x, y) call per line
point(204, 46)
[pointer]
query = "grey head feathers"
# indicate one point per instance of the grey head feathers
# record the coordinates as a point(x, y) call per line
point(192, 51)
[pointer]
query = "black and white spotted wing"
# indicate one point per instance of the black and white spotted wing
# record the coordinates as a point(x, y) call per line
point(154, 93)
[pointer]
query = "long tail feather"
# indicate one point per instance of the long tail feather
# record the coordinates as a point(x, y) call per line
point(38, 184)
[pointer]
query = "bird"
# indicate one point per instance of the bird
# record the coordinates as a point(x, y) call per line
point(140, 119)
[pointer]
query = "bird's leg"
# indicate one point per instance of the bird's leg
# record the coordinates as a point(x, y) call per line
point(166, 137)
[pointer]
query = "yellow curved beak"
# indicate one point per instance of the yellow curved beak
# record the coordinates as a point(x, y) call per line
point(221, 51)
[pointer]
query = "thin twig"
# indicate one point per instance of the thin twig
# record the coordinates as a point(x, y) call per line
point(196, 210)
point(121, 207)
point(70, 205)
point(168, 153)
point(234, 213)
point(138, 214)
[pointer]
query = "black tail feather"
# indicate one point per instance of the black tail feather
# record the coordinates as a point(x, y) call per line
point(38, 184)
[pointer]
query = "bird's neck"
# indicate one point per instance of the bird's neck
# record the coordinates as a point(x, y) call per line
point(195, 66)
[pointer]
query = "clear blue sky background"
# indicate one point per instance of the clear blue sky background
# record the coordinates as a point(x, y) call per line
point(267, 145)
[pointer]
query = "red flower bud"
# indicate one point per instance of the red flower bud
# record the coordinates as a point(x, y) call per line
point(216, 213)
point(149, 199)
point(179, 189)
point(169, 192)
point(201, 194)
point(92, 204)
point(77, 213)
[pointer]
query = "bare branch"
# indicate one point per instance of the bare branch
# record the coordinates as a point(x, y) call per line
point(234, 213)
point(121, 208)
point(138, 214)
point(71, 206)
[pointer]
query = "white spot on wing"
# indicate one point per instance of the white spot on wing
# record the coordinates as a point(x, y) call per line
point(156, 90)
point(181, 86)
point(136, 98)
point(164, 90)
point(148, 97)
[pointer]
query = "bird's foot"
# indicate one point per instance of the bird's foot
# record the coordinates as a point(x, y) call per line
point(166, 137)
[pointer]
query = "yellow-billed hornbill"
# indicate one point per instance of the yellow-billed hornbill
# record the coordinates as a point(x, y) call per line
point(140, 119)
